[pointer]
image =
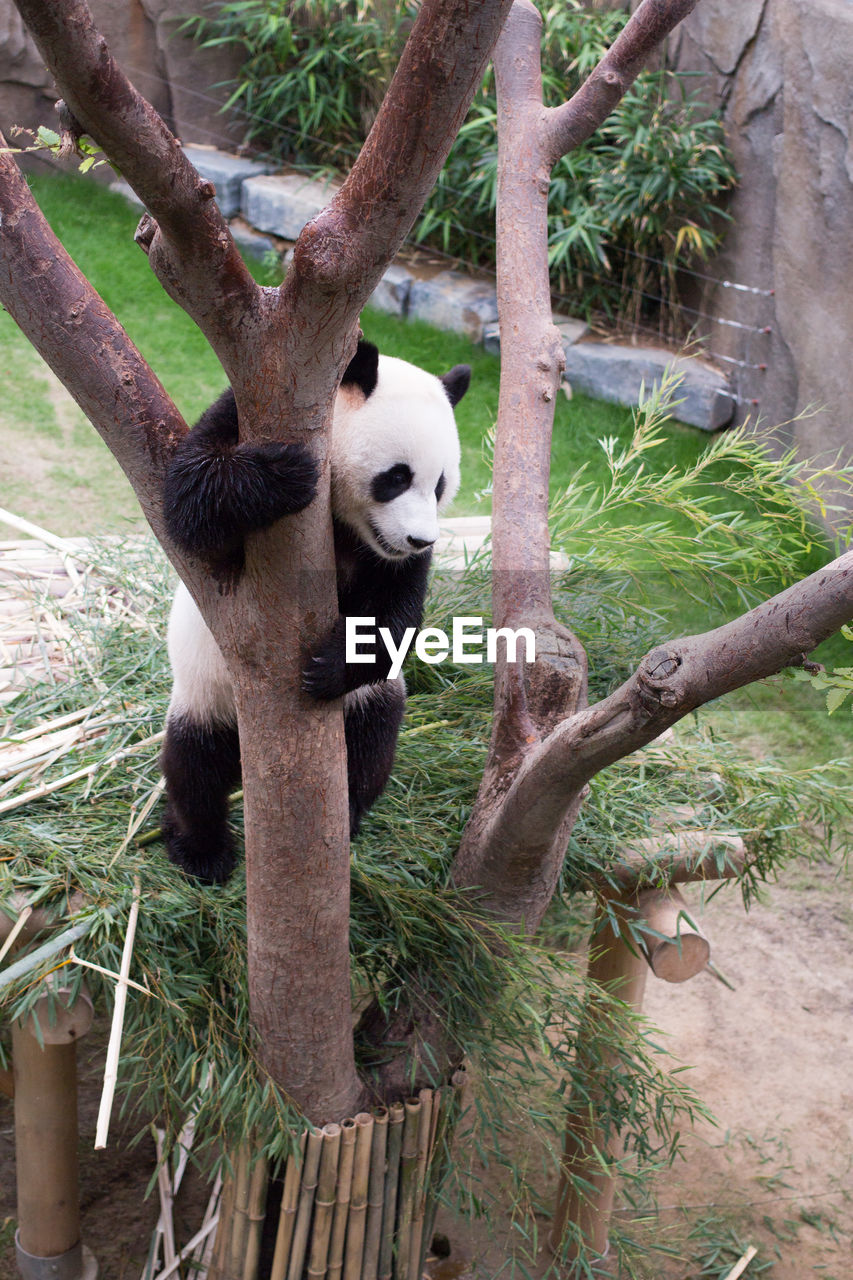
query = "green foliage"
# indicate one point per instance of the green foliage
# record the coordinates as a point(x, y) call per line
point(628, 209)
point(838, 682)
point(514, 1004)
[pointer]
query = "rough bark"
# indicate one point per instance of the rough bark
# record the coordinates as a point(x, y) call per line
point(283, 351)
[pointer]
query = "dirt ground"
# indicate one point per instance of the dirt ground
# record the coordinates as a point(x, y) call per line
point(772, 1058)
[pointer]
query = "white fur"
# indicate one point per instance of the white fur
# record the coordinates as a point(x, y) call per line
point(408, 419)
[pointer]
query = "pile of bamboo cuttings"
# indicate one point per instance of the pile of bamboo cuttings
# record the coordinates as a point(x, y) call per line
point(44, 581)
point(358, 1199)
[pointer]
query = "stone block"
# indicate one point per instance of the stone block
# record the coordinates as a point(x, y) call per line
point(226, 172)
point(283, 203)
point(492, 339)
point(392, 293)
point(616, 373)
point(453, 301)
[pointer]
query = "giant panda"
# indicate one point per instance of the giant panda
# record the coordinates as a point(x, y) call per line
point(394, 464)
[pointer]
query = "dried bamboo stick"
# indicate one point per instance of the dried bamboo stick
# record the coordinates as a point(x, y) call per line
point(324, 1203)
point(48, 788)
point(166, 1224)
point(114, 1046)
point(42, 535)
point(204, 1247)
point(240, 1212)
point(307, 1192)
point(396, 1114)
point(424, 1132)
point(342, 1199)
point(255, 1218)
point(17, 928)
point(287, 1213)
point(742, 1264)
point(358, 1197)
point(375, 1195)
point(408, 1187)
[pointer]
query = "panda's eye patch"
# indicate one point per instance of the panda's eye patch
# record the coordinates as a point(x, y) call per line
point(391, 483)
point(440, 487)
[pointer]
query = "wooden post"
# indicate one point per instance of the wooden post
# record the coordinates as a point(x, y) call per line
point(620, 971)
point(46, 1138)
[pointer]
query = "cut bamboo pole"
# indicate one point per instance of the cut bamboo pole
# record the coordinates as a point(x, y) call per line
point(287, 1213)
point(396, 1117)
point(324, 1204)
point(408, 1186)
point(375, 1193)
point(357, 1222)
point(307, 1191)
point(445, 1109)
point(675, 949)
point(425, 1131)
point(255, 1218)
point(342, 1199)
point(218, 1267)
point(239, 1217)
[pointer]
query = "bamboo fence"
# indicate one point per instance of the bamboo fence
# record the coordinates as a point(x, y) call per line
point(358, 1198)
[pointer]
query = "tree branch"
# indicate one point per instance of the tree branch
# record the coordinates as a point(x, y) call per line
point(193, 255)
point(78, 336)
point(669, 683)
point(566, 127)
point(439, 72)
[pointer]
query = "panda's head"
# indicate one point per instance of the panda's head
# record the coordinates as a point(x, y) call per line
point(395, 451)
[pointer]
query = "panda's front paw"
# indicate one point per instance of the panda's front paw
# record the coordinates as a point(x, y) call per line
point(278, 480)
point(324, 677)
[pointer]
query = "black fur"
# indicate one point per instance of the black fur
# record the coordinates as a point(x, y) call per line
point(201, 765)
point(456, 382)
point(391, 591)
point(371, 730)
point(216, 492)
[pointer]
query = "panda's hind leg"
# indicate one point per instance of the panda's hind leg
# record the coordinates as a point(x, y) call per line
point(372, 718)
point(201, 764)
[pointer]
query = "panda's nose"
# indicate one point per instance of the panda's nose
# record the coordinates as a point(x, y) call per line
point(420, 544)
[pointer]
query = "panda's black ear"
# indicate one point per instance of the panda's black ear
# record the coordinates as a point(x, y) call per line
point(363, 370)
point(456, 382)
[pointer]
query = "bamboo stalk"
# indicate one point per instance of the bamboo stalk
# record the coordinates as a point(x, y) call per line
point(255, 1218)
point(239, 1213)
point(307, 1192)
point(425, 1130)
point(396, 1114)
point(287, 1213)
point(324, 1203)
point(217, 1270)
point(445, 1110)
point(342, 1199)
point(375, 1195)
point(408, 1187)
point(358, 1197)
point(114, 1046)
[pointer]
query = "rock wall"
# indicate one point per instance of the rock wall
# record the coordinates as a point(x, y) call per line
point(177, 78)
point(781, 72)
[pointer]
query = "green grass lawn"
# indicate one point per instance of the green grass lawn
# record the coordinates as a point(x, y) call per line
point(59, 474)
